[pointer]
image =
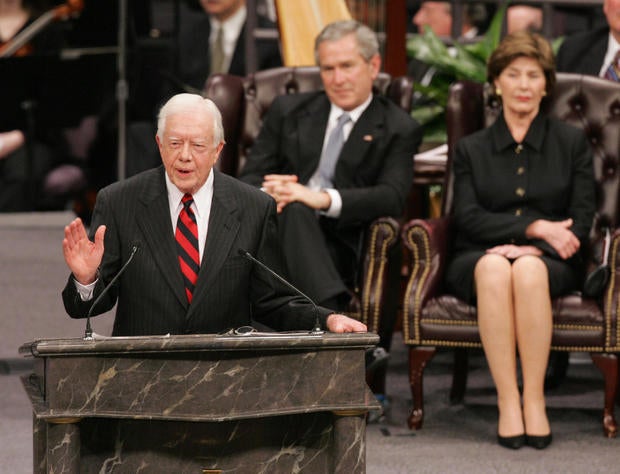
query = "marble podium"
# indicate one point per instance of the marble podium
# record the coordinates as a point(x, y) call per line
point(243, 403)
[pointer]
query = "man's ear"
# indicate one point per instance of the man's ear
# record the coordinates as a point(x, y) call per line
point(218, 151)
point(375, 64)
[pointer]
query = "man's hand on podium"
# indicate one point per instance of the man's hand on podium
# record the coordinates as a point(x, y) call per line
point(341, 323)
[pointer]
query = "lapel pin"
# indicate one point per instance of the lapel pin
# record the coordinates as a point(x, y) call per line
point(367, 138)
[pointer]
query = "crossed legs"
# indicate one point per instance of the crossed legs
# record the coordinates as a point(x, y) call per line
point(514, 312)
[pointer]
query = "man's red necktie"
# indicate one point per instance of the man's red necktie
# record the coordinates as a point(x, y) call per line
point(187, 245)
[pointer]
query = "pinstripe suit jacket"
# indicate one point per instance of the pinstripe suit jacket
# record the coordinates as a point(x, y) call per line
point(230, 289)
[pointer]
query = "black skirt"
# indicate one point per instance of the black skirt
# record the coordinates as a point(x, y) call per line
point(459, 277)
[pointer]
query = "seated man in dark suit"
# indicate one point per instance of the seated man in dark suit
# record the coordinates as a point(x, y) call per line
point(215, 42)
point(593, 52)
point(190, 223)
point(332, 177)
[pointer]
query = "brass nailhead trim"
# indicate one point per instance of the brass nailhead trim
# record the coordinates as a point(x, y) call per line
point(417, 299)
point(367, 284)
point(610, 300)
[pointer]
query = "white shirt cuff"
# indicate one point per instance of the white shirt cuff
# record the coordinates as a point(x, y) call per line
point(85, 291)
point(335, 208)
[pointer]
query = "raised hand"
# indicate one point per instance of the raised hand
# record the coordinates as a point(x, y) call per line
point(83, 257)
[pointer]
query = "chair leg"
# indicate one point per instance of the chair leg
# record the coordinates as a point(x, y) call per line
point(608, 365)
point(618, 393)
point(418, 357)
point(459, 375)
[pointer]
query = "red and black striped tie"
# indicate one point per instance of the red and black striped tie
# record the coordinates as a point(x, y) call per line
point(187, 245)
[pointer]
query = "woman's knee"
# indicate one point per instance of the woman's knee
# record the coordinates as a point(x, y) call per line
point(492, 269)
point(530, 272)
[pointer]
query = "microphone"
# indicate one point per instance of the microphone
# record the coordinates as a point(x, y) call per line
point(317, 324)
point(88, 333)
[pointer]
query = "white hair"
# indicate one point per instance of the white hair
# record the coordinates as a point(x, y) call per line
point(186, 102)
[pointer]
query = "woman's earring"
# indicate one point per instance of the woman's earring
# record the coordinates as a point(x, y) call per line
point(544, 93)
point(498, 91)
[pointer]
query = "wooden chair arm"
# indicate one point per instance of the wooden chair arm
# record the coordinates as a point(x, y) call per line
point(427, 241)
point(611, 296)
point(381, 238)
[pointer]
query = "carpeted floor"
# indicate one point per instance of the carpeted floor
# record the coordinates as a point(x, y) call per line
point(455, 439)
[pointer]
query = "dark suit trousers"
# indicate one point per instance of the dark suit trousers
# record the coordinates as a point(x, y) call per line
point(317, 262)
point(322, 264)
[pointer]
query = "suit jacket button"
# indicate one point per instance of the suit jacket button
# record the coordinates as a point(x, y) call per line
point(520, 192)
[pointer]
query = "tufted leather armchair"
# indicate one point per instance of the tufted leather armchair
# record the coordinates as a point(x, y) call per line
point(433, 319)
point(244, 102)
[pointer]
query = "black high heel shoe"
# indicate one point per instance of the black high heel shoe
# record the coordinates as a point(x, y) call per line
point(511, 442)
point(538, 442)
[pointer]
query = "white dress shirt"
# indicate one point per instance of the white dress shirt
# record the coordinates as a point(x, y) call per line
point(232, 29)
point(612, 48)
point(201, 207)
point(202, 210)
point(336, 201)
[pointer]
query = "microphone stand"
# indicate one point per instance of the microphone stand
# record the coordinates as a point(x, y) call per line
point(122, 89)
point(28, 106)
point(316, 330)
point(88, 333)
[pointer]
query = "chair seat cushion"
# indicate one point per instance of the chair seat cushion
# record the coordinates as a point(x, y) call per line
point(448, 321)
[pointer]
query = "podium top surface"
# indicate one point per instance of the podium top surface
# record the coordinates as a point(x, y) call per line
point(197, 343)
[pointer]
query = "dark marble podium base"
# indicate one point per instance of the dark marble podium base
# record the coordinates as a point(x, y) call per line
point(257, 403)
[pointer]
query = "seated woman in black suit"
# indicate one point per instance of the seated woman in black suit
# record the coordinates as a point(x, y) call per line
point(524, 204)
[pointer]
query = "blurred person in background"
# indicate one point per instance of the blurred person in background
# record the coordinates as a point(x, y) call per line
point(594, 52)
point(24, 164)
point(524, 17)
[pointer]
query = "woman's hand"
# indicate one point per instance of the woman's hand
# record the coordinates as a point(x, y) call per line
point(515, 251)
point(557, 234)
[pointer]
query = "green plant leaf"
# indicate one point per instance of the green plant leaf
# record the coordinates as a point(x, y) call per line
point(482, 49)
point(428, 114)
point(459, 62)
